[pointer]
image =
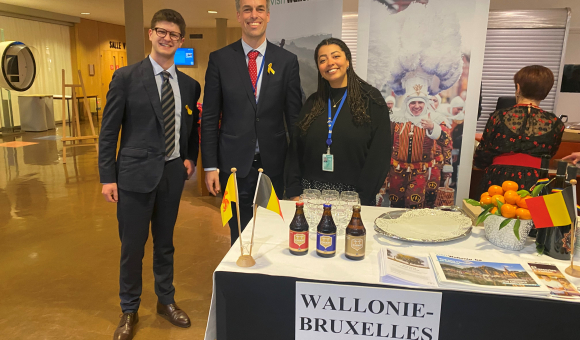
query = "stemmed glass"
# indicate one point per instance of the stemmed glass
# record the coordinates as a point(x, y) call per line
point(350, 199)
point(339, 214)
point(330, 196)
point(313, 207)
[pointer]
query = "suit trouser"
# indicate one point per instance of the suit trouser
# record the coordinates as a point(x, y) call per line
point(134, 212)
point(246, 191)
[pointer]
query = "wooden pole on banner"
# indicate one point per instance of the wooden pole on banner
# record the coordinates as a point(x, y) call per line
point(260, 170)
point(573, 270)
point(243, 260)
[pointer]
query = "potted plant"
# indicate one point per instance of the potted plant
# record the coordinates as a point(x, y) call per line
point(503, 207)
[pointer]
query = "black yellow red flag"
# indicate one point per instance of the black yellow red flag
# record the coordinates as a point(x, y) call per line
point(266, 195)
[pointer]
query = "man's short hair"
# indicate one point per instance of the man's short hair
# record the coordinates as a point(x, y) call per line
point(267, 6)
point(169, 15)
point(535, 81)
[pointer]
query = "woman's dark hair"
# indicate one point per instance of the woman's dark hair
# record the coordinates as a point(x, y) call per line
point(357, 96)
point(169, 15)
point(535, 81)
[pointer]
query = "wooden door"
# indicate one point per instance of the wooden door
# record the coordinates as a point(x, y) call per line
point(122, 58)
point(110, 61)
point(108, 66)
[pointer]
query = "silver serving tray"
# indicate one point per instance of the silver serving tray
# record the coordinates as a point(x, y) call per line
point(463, 231)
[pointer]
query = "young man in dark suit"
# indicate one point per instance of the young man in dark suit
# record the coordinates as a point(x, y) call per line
point(255, 86)
point(155, 107)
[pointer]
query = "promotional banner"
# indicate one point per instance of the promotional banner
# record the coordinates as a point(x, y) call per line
point(326, 311)
point(426, 58)
point(299, 27)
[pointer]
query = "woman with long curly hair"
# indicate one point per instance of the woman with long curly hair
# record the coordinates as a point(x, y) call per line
point(342, 140)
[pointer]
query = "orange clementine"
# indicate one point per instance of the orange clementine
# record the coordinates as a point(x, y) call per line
point(494, 210)
point(508, 210)
point(485, 200)
point(485, 194)
point(495, 190)
point(496, 198)
point(522, 202)
point(509, 185)
point(523, 214)
point(511, 197)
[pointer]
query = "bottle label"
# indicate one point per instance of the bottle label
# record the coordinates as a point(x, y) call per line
point(355, 245)
point(299, 241)
point(326, 243)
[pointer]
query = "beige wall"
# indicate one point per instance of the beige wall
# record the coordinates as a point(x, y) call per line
point(201, 50)
point(89, 40)
point(85, 51)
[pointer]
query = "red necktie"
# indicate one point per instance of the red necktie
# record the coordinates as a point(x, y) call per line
point(253, 68)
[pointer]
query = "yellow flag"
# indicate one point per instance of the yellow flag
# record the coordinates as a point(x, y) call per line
point(229, 197)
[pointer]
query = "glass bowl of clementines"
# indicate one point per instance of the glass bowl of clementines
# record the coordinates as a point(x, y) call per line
point(505, 206)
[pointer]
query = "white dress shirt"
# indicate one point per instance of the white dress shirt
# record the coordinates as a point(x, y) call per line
point(157, 70)
point(262, 50)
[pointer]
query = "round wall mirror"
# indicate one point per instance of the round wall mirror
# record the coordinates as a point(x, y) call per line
point(18, 66)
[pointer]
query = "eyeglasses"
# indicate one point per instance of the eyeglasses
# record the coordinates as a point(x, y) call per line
point(161, 33)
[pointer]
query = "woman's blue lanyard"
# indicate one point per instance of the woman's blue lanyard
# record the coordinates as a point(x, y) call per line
point(331, 120)
point(255, 86)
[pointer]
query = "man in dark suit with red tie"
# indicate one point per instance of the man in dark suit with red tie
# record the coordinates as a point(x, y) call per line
point(155, 107)
point(255, 86)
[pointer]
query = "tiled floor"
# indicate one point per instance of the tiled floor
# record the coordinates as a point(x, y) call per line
point(59, 249)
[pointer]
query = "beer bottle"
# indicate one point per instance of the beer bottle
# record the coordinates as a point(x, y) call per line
point(355, 236)
point(326, 234)
point(558, 182)
point(299, 232)
point(570, 174)
point(544, 168)
point(556, 241)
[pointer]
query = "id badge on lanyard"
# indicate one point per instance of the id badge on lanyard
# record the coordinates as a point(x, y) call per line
point(328, 158)
point(328, 162)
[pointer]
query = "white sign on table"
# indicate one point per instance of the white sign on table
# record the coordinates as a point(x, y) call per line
point(327, 311)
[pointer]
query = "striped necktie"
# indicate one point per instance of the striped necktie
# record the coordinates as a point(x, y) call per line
point(168, 108)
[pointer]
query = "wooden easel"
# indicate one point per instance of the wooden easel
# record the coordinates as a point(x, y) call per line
point(77, 135)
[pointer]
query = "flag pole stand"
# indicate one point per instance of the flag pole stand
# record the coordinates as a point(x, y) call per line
point(243, 260)
point(573, 270)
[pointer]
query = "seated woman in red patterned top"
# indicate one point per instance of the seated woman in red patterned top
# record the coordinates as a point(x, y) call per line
point(516, 139)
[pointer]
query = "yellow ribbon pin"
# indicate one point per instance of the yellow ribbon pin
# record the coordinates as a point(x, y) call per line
point(189, 112)
point(270, 69)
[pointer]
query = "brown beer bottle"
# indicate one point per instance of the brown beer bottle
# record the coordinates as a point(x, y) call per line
point(355, 236)
point(326, 234)
point(299, 232)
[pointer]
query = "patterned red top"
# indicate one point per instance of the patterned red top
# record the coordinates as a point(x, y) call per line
point(519, 129)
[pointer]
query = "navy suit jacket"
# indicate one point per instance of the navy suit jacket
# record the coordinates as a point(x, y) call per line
point(229, 92)
point(133, 106)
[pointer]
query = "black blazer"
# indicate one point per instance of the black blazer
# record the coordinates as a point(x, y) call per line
point(133, 104)
point(229, 91)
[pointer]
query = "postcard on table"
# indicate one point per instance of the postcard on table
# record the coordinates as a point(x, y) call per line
point(405, 269)
point(552, 277)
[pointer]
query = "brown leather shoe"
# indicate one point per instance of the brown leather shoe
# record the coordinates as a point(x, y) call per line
point(126, 328)
point(174, 314)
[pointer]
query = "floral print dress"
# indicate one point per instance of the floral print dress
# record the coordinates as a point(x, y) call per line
point(525, 129)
